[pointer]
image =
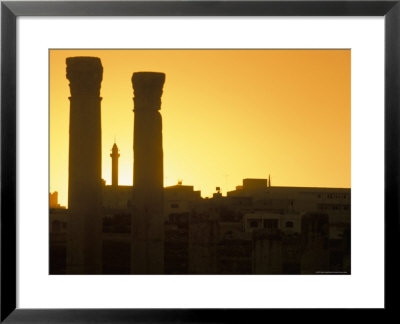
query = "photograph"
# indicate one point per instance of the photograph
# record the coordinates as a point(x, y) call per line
point(197, 161)
point(200, 161)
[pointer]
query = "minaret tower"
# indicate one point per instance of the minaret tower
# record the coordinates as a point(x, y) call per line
point(114, 160)
point(147, 214)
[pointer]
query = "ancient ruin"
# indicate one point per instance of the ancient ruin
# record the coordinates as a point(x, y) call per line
point(84, 188)
point(147, 214)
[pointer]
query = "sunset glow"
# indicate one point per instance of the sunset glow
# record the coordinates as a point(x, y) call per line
point(227, 115)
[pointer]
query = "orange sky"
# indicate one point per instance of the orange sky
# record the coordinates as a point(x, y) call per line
point(227, 115)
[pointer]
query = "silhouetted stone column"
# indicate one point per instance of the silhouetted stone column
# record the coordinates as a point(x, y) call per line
point(84, 249)
point(147, 215)
point(114, 160)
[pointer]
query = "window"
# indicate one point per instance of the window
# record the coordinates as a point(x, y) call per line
point(56, 226)
point(270, 223)
point(253, 224)
point(289, 224)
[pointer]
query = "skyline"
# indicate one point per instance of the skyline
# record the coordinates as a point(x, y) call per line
point(307, 149)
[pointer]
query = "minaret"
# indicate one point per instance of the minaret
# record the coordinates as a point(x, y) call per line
point(147, 213)
point(114, 161)
point(269, 180)
point(84, 243)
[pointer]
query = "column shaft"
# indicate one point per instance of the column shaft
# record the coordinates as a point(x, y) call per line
point(147, 214)
point(84, 240)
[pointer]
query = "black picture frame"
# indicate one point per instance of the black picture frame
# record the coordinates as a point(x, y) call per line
point(10, 10)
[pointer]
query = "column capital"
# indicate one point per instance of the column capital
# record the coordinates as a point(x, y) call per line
point(148, 89)
point(85, 75)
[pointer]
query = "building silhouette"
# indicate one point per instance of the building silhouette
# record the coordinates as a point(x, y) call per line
point(53, 200)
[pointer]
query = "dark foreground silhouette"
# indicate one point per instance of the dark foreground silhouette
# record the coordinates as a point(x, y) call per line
point(249, 231)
